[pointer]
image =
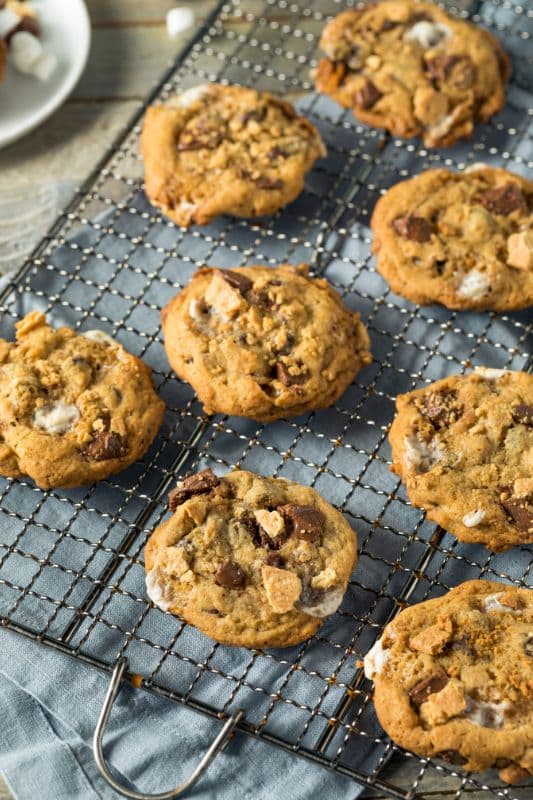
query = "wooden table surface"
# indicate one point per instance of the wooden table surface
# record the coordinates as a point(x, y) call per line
point(130, 49)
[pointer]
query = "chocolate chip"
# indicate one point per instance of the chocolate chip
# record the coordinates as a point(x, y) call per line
point(421, 690)
point(276, 152)
point(388, 25)
point(523, 414)
point(416, 229)
point(106, 444)
point(456, 70)
point(259, 297)
point(503, 199)
point(307, 522)
point(28, 25)
point(230, 575)
point(452, 757)
point(237, 280)
point(368, 95)
point(275, 560)
point(520, 509)
point(284, 376)
point(268, 183)
point(528, 645)
point(200, 483)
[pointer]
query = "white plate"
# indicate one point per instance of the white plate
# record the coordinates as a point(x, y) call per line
point(24, 101)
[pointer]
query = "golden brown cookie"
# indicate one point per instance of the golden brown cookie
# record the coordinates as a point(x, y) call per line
point(453, 678)
point(413, 69)
point(463, 447)
point(251, 561)
point(461, 239)
point(74, 408)
point(263, 343)
point(226, 150)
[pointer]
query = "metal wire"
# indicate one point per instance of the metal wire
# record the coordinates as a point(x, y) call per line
point(71, 568)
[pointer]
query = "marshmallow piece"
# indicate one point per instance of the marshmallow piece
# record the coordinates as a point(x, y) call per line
point(99, 336)
point(156, 591)
point(190, 96)
point(8, 21)
point(474, 285)
point(44, 66)
point(428, 34)
point(375, 660)
point(473, 518)
point(475, 167)
point(325, 602)
point(490, 373)
point(57, 418)
point(178, 20)
point(26, 49)
point(419, 456)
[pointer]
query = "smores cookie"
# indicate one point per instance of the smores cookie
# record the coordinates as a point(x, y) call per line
point(413, 69)
point(453, 678)
point(218, 149)
point(463, 447)
point(263, 342)
point(74, 407)
point(251, 561)
point(461, 239)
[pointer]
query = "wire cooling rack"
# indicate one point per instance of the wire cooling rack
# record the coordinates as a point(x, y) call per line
point(71, 562)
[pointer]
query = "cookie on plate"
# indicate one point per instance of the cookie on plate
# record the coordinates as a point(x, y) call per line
point(74, 407)
point(453, 678)
point(263, 343)
point(225, 150)
point(461, 239)
point(463, 447)
point(251, 561)
point(413, 69)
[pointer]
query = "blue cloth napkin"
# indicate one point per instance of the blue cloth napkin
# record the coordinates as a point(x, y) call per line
point(49, 706)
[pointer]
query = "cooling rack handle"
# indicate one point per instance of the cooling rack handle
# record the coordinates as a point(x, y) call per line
point(216, 746)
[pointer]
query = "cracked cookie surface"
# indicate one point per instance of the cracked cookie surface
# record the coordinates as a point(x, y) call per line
point(226, 150)
point(74, 408)
point(413, 69)
point(453, 678)
point(251, 561)
point(463, 447)
point(461, 239)
point(263, 343)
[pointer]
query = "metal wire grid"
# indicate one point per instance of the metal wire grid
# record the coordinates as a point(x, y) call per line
point(71, 570)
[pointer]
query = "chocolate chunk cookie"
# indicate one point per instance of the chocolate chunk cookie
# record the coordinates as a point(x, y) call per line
point(263, 343)
point(463, 447)
point(453, 678)
point(226, 150)
point(461, 239)
point(411, 68)
point(251, 561)
point(74, 408)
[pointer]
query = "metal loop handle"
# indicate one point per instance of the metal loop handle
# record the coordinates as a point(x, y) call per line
point(216, 747)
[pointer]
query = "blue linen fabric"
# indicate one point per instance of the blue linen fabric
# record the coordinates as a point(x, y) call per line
point(49, 706)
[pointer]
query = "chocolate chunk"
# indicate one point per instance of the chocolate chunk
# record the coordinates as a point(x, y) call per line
point(28, 25)
point(416, 229)
point(237, 280)
point(106, 444)
point(284, 376)
point(452, 757)
point(368, 95)
point(421, 691)
point(275, 560)
point(276, 152)
point(528, 645)
point(256, 114)
point(520, 509)
point(503, 199)
point(388, 25)
point(252, 526)
point(268, 183)
point(202, 138)
point(456, 70)
point(200, 483)
point(259, 297)
point(230, 575)
point(523, 413)
point(352, 58)
point(440, 408)
point(307, 522)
